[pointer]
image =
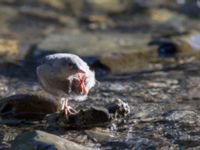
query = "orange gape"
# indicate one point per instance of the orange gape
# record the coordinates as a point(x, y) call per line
point(82, 77)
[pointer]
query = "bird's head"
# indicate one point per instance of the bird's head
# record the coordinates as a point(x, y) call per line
point(67, 66)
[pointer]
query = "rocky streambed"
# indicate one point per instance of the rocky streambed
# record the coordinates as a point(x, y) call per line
point(145, 54)
point(164, 113)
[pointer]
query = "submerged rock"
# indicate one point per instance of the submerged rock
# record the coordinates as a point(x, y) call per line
point(40, 140)
point(28, 106)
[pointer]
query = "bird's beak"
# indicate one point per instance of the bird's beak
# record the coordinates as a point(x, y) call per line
point(82, 77)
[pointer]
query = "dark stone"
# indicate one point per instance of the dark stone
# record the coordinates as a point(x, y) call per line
point(96, 65)
point(118, 109)
point(28, 106)
point(165, 48)
point(92, 117)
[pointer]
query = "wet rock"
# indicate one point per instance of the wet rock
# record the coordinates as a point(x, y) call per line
point(194, 41)
point(49, 16)
point(146, 110)
point(28, 106)
point(118, 109)
point(189, 8)
point(134, 143)
point(124, 63)
point(118, 87)
point(194, 93)
point(160, 15)
point(189, 43)
point(100, 135)
point(6, 12)
point(58, 4)
point(93, 44)
point(110, 6)
point(183, 116)
point(92, 117)
point(8, 48)
point(156, 3)
point(41, 140)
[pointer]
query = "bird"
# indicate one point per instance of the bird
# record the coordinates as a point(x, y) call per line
point(66, 76)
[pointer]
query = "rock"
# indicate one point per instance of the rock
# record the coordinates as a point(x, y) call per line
point(58, 4)
point(28, 106)
point(5, 13)
point(100, 135)
point(135, 143)
point(190, 8)
point(194, 93)
point(41, 140)
point(118, 109)
point(92, 117)
point(95, 65)
point(159, 15)
point(156, 3)
point(8, 48)
point(129, 62)
point(194, 41)
point(183, 116)
point(166, 48)
point(93, 44)
point(50, 16)
point(189, 43)
point(110, 6)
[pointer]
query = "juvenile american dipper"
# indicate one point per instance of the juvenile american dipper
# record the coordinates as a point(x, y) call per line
point(66, 76)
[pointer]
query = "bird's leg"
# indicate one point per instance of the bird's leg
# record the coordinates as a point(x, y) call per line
point(68, 110)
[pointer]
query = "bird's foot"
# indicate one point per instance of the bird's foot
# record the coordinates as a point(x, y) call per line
point(68, 110)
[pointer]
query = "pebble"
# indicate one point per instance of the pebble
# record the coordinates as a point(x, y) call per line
point(167, 49)
point(194, 41)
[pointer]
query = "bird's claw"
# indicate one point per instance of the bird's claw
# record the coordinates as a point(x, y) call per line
point(69, 110)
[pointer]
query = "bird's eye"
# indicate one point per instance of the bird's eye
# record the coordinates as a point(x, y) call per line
point(71, 65)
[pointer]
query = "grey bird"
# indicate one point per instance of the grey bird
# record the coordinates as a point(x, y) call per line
point(66, 76)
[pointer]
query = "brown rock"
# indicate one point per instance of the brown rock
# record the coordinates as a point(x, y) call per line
point(114, 6)
point(28, 106)
point(8, 47)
